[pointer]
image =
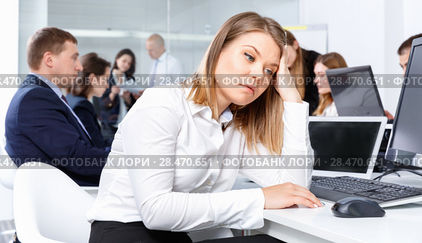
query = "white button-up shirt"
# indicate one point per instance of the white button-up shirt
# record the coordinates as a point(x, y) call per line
point(165, 122)
point(166, 64)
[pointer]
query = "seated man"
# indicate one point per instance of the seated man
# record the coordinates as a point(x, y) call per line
point(40, 125)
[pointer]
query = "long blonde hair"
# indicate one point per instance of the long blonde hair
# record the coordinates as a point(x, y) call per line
point(297, 70)
point(330, 60)
point(261, 120)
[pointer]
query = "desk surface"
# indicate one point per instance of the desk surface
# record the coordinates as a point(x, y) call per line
point(400, 224)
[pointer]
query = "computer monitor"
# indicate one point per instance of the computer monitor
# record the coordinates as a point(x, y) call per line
point(355, 92)
point(345, 146)
point(406, 138)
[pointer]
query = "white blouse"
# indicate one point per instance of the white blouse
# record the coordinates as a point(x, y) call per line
point(164, 122)
point(330, 110)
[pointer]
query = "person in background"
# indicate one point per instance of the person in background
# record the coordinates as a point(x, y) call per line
point(210, 114)
point(163, 63)
point(326, 106)
point(116, 101)
point(404, 51)
point(301, 66)
point(40, 125)
point(93, 82)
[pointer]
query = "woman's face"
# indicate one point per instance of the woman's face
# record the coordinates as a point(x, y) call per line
point(321, 79)
point(124, 62)
point(245, 68)
point(99, 83)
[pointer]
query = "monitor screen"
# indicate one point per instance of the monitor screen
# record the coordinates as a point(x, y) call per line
point(406, 137)
point(343, 146)
point(355, 92)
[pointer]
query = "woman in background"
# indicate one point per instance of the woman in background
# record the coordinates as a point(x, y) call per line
point(93, 83)
point(326, 106)
point(116, 101)
point(301, 66)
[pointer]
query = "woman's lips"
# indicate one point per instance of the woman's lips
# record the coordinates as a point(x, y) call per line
point(251, 88)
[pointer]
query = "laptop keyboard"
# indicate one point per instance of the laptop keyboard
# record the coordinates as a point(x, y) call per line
point(335, 188)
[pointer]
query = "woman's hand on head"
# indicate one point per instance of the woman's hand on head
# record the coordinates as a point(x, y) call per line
point(284, 83)
point(288, 194)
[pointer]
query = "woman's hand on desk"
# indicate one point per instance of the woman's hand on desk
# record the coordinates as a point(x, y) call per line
point(288, 194)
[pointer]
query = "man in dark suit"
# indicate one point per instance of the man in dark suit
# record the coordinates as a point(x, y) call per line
point(40, 125)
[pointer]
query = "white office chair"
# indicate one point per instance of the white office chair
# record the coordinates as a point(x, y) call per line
point(49, 206)
point(7, 175)
point(7, 167)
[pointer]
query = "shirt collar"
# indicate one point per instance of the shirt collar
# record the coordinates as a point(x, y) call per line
point(50, 84)
point(225, 117)
point(162, 57)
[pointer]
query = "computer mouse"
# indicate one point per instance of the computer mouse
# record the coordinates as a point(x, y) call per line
point(357, 207)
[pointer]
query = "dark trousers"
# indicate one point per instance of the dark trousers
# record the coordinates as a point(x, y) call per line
point(136, 232)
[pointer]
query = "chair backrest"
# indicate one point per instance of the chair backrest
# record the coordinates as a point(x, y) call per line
point(7, 172)
point(49, 205)
point(7, 176)
point(7, 167)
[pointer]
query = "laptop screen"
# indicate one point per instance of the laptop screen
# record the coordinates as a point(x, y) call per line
point(355, 92)
point(345, 146)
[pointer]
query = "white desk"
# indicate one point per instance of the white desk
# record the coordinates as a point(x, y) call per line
point(401, 224)
point(92, 190)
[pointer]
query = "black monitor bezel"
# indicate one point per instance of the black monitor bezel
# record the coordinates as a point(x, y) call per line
point(391, 153)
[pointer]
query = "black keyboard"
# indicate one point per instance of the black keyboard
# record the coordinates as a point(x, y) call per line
point(336, 188)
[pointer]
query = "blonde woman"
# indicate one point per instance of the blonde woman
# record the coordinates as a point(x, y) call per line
point(209, 117)
point(326, 106)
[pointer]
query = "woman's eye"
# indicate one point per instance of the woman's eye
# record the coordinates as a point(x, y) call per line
point(268, 71)
point(249, 57)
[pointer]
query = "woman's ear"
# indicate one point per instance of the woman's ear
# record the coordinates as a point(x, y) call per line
point(92, 78)
point(295, 45)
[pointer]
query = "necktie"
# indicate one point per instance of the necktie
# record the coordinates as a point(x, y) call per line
point(154, 72)
point(64, 98)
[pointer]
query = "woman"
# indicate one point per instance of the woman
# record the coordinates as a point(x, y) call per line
point(301, 66)
point(93, 83)
point(326, 106)
point(213, 116)
point(116, 101)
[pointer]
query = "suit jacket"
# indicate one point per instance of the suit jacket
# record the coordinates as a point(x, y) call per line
point(40, 127)
point(86, 113)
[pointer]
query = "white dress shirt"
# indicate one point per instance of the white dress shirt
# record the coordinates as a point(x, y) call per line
point(166, 66)
point(330, 110)
point(164, 122)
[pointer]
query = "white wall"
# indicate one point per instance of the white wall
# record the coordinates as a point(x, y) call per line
point(412, 17)
point(185, 16)
point(32, 16)
point(9, 14)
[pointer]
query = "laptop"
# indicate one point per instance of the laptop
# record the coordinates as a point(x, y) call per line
point(355, 92)
point(345, 146)
point(345, 149)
